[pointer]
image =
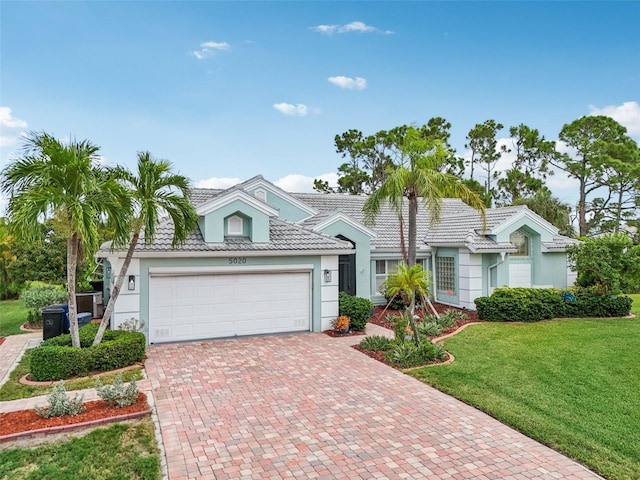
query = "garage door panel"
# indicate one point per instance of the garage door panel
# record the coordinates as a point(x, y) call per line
point(207, 306)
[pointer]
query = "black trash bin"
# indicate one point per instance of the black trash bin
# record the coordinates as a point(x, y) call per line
point(54, 318)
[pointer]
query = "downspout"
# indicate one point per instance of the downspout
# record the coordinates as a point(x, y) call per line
point(502, 255)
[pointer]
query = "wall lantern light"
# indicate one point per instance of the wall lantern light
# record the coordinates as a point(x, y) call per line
point(327, 276)
point(132, 282)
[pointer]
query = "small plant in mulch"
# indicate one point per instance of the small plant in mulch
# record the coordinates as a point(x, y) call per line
point(60, 404)
point(341, 324)
point(118, 394)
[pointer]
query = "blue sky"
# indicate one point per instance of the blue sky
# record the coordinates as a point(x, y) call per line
point(228, 90)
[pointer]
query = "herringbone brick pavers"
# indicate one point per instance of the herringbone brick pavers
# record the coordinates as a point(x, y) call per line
point(308, 406)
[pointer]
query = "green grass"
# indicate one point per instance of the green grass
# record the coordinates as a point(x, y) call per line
point(13, 389)
point(635, 308)
point(119, 452)
point(13, 313)
point(570, 384)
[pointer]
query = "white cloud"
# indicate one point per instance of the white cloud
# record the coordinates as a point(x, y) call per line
point(8, 123)
point(218, 182)
point(290, 110)
point(209, 49)
point(356, 26)
point(7, 120)
point(349, 83)
point(627, 114)
point(303, 184)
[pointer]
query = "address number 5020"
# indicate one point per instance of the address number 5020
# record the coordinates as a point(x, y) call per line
point(237, 260)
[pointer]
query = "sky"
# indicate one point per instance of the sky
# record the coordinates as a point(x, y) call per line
point(229, 90)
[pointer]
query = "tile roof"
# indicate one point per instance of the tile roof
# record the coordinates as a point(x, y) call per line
point(459, 224)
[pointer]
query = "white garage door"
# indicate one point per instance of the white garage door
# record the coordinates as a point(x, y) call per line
point(191, 307)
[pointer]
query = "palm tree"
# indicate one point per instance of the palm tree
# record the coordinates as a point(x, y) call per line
point(411, 284)
point(419, 177)
point(52, 178)
point(155, 192)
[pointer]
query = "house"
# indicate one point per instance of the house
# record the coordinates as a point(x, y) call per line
point(266, 261)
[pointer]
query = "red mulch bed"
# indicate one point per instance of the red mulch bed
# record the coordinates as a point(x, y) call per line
point(380, 315)
point(2, 340)
point(27, 420)
point(350, 333)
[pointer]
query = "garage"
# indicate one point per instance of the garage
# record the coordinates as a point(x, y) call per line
point(191, 306)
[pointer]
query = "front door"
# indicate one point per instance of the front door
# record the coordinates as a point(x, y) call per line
point(347, 274)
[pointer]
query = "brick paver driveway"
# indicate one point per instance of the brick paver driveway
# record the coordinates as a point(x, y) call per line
point(308, 406)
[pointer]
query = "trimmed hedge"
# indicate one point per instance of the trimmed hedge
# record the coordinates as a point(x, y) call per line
point(357, 309)
point(56, 359)
point(533, 304)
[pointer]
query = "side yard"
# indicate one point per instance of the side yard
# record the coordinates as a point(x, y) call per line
point(13, 313)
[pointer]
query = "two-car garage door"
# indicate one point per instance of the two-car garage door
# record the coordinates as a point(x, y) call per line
point(192, 307)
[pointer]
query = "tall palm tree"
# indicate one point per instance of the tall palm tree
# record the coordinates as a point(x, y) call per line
point(156, 191)
point(65, 180)
point(419, 177)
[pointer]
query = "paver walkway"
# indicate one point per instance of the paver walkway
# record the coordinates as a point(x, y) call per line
point(308, 406)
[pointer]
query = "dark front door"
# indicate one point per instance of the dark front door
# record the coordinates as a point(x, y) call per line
point(347, 274)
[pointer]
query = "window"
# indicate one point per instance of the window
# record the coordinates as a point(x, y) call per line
point(385, 267)
point(234, 225)
point(446, 275)
point(521, 241)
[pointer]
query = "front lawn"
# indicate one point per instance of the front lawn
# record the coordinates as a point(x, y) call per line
point(570, 384)
point(13, 313)
point(119, 452)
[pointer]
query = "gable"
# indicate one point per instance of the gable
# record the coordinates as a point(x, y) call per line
point(528, 221)
point(224, 221)
point(288, 207)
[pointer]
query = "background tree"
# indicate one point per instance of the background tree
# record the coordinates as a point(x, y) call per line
point(156, 192)
point(418, 177)
point(593, 138)
point(610, 263)
point(551, 209)
point(7, 257)
point(65, 180)
point(483, 143)
point(531, 165)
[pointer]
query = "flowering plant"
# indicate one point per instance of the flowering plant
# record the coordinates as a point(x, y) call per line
point(341, 323)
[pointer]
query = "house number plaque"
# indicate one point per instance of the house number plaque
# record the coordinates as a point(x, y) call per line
point(237, 260)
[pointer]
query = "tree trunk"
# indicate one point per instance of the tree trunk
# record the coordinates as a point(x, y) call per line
point(106, 316)
point(72, 263)
point(413, 214)
point(582, 210)
point(403, 248)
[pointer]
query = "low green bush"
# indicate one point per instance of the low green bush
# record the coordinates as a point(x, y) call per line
point(358, 309)
point(533, 304)
point(58, 363)
point(56, 359)
point(375, 343)
point(60, 404)
point(407, 354)
point(39, 296)
point(430, 329)
point(395, 303)
point(118, 394)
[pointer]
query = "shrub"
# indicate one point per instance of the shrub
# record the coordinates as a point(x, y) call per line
point(58, 363)
point(357, 309)
point(118, 395)
point(400, 326)
point(55, 359)
point(375, 343)
point(533, 304)
point(407, 354)
point(60, 404)
point(340, 323)
point(449, 318)
point(42, 295)
point(430, 329)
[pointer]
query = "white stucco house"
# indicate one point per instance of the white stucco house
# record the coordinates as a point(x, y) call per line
point(266, 261)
